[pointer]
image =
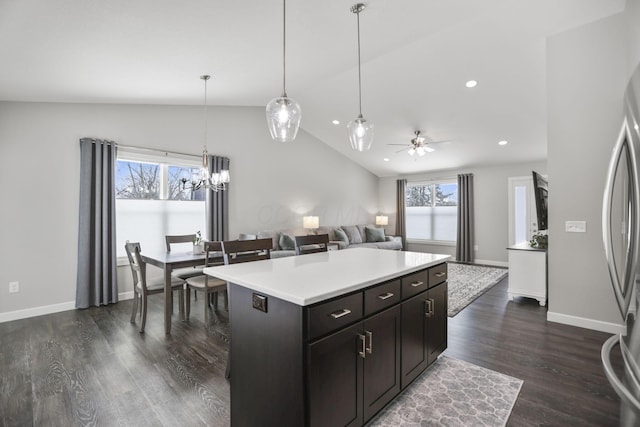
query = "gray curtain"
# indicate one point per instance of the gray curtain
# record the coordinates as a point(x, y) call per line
point(96, 276)
point(466, 230)
point(217, 204)
point(401, 224)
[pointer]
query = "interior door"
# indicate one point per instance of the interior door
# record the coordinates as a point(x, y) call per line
point(522, 210)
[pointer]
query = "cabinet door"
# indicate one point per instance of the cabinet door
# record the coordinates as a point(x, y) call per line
point(382, 361)
point(437, 322)
point(335, 368)
point(414, 337)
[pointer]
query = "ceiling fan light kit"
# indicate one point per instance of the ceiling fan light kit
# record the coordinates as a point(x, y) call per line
point(360, 130)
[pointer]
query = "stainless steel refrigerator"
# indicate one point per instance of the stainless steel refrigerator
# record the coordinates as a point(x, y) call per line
point(621, 236)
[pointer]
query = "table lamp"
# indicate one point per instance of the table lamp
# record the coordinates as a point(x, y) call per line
point(310, 223)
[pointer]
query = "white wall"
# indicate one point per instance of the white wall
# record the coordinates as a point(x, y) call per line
point(273, 184)
point(587, 71)
point(491, 207)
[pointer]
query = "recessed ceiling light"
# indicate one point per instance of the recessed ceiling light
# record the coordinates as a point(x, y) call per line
point(335, 122)
point(471, 83)
point(503, 142)
point(386, 159)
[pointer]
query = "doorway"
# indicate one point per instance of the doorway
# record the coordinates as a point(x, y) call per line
point(522, 210)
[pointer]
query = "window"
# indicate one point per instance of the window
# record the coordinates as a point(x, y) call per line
point(432, 211)
point(153, 198)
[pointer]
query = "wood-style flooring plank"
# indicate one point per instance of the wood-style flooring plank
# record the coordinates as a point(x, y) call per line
point(93, 367)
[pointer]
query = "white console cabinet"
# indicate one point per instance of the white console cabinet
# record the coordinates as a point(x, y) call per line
point(528, 272)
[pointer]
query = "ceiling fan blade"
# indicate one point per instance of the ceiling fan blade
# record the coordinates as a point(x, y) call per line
point(404, 145)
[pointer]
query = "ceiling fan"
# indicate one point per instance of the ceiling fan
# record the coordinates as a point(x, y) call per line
point(419, 145)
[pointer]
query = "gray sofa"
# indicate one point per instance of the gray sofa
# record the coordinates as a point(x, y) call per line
point(353, 236)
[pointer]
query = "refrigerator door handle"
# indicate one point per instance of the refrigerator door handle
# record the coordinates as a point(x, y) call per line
point(620, 389)
point(622, 283)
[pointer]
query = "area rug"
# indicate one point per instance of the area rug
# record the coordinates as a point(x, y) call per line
point(452, 392)
point(467, 282)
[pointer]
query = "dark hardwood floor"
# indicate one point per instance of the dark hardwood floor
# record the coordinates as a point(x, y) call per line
point(92, 367)
point(564, 382)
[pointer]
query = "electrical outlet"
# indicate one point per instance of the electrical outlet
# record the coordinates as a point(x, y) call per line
point(14, 287)
point(475, 247)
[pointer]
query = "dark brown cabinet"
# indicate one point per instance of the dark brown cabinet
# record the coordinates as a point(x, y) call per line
point(424, 331)
point(337, 362)
point(355, 372)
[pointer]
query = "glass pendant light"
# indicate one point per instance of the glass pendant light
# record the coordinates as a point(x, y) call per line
point(283, 114)
point(360, 130)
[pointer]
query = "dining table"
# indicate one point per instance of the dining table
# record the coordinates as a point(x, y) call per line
point(170, 261)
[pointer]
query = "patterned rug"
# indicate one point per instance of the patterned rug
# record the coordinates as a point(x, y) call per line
point(468, 282)
point(453, 393)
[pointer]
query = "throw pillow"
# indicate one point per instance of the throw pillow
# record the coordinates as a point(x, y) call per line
point(342, 236)
point(286, 242)
point(374, 234)
point(353, 233)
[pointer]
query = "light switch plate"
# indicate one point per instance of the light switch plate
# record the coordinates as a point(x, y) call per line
point(575, 226)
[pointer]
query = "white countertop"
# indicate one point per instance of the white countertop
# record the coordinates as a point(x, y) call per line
point(311, 278)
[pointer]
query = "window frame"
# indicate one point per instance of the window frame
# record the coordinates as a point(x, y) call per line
point(432, 182)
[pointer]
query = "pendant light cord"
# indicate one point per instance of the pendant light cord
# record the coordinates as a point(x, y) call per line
point(204, 112)
point(284, 47)
point(359, 71)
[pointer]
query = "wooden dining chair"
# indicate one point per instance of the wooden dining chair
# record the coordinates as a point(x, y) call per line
point(237, 251)
point(205, 283)
point(311, 243)
point(142, 287)
point(183, 273)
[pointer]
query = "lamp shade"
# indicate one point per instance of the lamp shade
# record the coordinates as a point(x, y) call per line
point(382, 220)
point(311, 222)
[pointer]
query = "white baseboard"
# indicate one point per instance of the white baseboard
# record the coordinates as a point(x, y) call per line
point(49, 309)
point(582, 322)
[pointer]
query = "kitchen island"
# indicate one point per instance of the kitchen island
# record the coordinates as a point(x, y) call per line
point(330, 338)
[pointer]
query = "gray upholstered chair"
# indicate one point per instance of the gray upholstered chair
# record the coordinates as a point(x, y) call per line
point(142, 288)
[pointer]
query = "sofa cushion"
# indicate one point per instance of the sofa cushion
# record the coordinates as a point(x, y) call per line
point(374, 234)
point(273, 235)
point(282, 253)
point(286, 242)
point(362, 229)
point(353, 233)
point(341, 236)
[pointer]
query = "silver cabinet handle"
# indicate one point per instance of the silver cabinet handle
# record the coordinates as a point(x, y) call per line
point(370, 336)
point(441, 274)
point(339, 314)
point(429, 311)
point(385, 296)
point(416, 284)
point(618, 386)
point(363, 346)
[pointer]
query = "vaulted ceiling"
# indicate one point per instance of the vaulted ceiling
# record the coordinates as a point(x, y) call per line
point(416, 57)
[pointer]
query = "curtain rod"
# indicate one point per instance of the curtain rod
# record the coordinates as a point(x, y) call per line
point(439, 178)
point(153, 150)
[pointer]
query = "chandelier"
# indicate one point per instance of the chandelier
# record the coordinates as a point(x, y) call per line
point(215, 181)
